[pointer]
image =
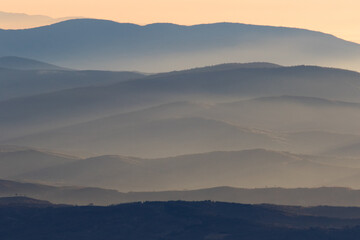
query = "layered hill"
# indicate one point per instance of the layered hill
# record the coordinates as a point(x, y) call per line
point(248, 168)
point(79, 105)
point(325, 196)
point(100, 44)
point(301, 126)
point(15, 161)
point(21, 77)
point(11, 62)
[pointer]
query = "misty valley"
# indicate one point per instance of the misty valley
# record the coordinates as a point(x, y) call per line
point(172, 140)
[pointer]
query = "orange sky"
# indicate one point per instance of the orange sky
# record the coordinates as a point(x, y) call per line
point(338, 17)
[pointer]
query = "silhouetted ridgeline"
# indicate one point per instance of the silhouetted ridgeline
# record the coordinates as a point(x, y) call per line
point(172, 220)
point(23, 202)
point(99, 44)
point(330, 196)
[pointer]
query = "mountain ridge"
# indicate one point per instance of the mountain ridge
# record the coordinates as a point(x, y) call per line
point(168, 24)
point(120, 46)
point(75, 195)
point(246, 168)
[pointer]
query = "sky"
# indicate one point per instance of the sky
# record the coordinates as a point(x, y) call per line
point(338, 17)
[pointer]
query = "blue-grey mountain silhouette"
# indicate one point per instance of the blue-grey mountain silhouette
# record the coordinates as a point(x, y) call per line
point(100, 44)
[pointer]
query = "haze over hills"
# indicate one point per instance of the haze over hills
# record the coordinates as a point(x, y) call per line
point(100, 44)
point(22, 21)
point(53, 110)
point(297, 114)
point(165, 112)
point(11, 62)
point(248, 168)
point(324, 196)
point(157, 137)
point(187, 127)
point(20, 77)
point(15, 161)
point(291, 119)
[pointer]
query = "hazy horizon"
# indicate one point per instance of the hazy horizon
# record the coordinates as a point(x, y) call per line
point(105, 45)
point(334, 17)
point(180, 119)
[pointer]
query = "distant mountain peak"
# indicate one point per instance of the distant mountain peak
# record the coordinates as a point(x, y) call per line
point(162, 47)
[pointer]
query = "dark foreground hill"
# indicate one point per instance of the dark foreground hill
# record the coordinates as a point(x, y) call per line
point(172, 220)
point(23, 202)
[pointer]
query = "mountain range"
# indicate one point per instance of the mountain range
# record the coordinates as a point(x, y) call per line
point(75, 195)
point(224, 93)
point(221, 117)
point(20, 77)
point(232, 124)
point(107, 45)
point(245, 169)
point(95, 112)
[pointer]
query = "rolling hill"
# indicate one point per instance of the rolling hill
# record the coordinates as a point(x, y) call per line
point(324, 196)
point(100, 44)
point(297, 114)
point(61, 195)
point(350, 149)
point(146, 137)
point(19, 63)
point(248, 168)
point(20, 81)
point(305, 126)
point(15, 161)
point(48, 111)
